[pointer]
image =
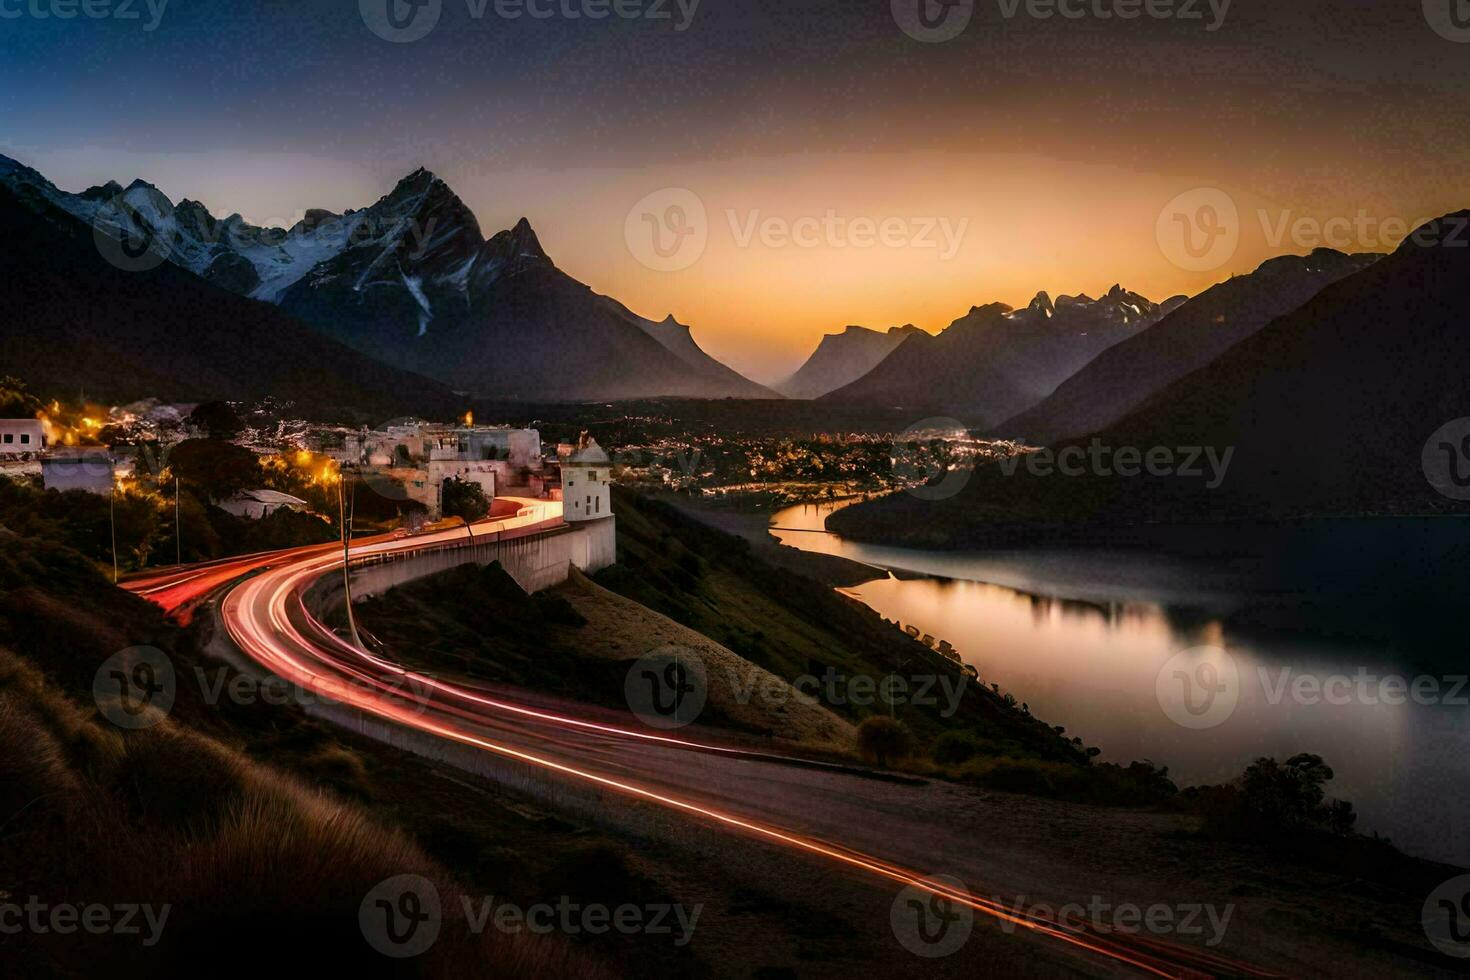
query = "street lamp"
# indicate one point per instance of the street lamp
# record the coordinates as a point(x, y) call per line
point(343, 519)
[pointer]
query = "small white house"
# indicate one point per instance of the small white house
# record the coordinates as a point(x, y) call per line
point(256, 504)
point(18, 436)
point(586, 488)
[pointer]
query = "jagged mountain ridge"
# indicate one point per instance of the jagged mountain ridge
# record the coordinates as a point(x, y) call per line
point(997, 361)
point(410, 280)
point(70, 320)
point(1122, 377)
point(842, 358)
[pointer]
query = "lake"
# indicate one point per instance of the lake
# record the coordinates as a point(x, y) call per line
point(1342, 638)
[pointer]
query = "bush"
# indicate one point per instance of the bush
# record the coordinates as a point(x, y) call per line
point(953, 748)
point(464, 499)
point(883, 739)
point(1273, 800)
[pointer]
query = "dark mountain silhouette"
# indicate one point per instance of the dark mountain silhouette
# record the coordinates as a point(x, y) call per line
point(69, 320)
point(995, 361)
point(1335, 408)
point(842, 358)
point(1125, 375)
point(1329, 406)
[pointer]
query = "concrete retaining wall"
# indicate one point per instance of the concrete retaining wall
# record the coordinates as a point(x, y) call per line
point(536, 561)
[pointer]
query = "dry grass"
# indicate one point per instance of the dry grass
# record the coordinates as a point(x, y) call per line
point(621, 629)
point(262, 872)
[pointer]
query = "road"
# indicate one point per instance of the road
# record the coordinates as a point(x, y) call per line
point(831, 816)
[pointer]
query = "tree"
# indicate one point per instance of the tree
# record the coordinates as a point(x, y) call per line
point(464, 499)
point(882, 739)
point(1273, 800)
point(218, 469)
point(16, 402)
point(217, 420)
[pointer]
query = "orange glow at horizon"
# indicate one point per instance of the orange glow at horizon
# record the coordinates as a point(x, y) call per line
point(979, 228)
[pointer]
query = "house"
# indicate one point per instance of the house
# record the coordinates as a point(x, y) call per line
point(256, 504)
point(586, 488)
point(18, 436)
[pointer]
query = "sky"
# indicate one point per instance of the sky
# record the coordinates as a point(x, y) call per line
point(772, 170)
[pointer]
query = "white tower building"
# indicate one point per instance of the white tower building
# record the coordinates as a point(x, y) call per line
point(585, 480)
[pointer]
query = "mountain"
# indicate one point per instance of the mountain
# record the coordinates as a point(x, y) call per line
point(1330, 407)
point(1348, 405)
point(411, 281)
point(677, 338)
point(997, 361)
point(842, 358)
point(70, 320)
point(1125, 375)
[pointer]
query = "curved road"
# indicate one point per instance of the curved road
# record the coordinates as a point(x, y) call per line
point(807, 810)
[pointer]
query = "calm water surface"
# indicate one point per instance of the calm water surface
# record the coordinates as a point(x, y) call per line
point(1317, 631)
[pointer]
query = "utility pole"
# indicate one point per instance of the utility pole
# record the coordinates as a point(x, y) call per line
point(346, 554)
point(178, 541)
point(112, 522)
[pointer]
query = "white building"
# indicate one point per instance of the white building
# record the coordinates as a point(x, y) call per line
point(585, 476)
point(18, 436)
point(450, 464)
point(256, 504)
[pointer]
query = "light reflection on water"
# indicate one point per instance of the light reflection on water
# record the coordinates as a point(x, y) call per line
point(1082, 636)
